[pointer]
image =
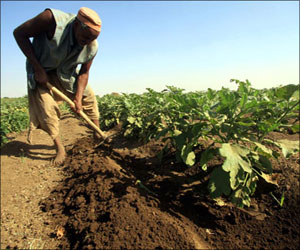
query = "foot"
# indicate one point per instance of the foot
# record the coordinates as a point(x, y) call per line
point(60, 152)
point(60, 158)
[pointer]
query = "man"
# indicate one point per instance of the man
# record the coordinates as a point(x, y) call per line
point(61, 42)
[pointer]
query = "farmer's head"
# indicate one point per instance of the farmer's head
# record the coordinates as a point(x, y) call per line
point(87, 26)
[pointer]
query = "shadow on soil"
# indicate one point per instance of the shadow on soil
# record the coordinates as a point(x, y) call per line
point(21, 149)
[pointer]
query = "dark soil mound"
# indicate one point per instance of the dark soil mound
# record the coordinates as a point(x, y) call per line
point(102, 205)
point(121, 196)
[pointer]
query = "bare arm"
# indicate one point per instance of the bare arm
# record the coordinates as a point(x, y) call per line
point(82, 82)
point(44, 22)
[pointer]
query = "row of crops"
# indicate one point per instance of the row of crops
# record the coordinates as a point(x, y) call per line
point(14, 116)
point(233, 124)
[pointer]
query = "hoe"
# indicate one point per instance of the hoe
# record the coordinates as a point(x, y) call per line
point(81, 113)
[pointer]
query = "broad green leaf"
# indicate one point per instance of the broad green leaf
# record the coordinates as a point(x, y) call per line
point(219, 183)
point(295, 96)
point(188, 155)
point(288, 147)
point(190, 159)
point(177, 132)
point(139, 124)
point(286, 92)
point(266, 151)
point(234, 154)
point(234, 163)
point(131, 119)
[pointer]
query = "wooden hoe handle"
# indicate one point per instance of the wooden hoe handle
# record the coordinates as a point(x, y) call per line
point(72, 104)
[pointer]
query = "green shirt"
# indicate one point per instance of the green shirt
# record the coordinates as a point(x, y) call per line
point(62, 53)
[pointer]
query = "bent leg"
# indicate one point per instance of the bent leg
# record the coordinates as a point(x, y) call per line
point(44, 114)
point(90, 107)
point(90, 104)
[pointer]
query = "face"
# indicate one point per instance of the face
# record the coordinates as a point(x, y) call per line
point(84, 35)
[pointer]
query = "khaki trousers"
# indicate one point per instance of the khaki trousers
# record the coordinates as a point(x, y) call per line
point(44, 111)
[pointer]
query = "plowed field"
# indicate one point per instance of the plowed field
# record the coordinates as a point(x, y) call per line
point(120, 195)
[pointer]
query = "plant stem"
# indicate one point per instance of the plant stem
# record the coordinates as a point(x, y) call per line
point(286, 112)
point(279, 202)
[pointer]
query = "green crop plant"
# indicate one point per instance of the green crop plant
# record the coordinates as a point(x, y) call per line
point(234, 124)
point(14, 116)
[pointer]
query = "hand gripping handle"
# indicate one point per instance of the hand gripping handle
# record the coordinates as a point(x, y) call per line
point(72, 104)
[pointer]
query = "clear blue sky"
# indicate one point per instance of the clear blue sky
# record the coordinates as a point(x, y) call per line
point(193, 45)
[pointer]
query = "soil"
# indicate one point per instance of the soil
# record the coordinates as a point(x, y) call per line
point(120, 195)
